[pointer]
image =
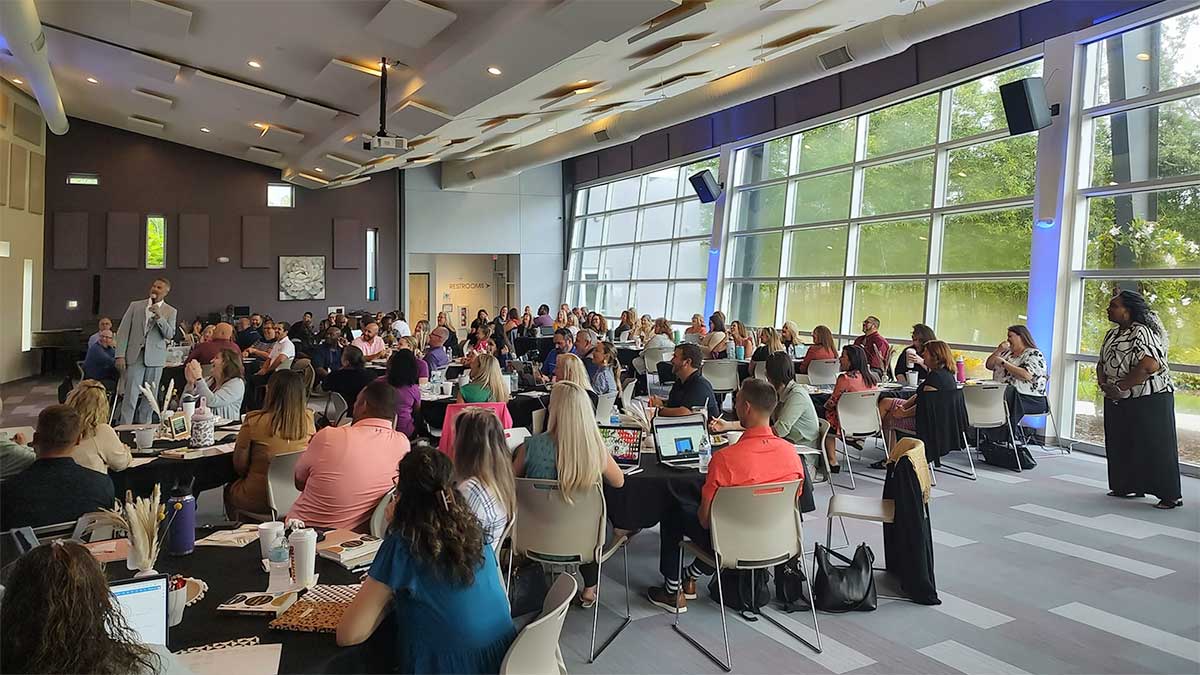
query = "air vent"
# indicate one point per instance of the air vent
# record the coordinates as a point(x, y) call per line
point(838, 57)
point(601, 136)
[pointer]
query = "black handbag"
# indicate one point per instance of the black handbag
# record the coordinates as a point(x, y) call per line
point(1002, 456)
point(741, 593)
point(844, 589)
point(789, 585)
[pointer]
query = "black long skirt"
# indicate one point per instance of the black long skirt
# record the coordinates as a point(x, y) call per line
point(1139, 440)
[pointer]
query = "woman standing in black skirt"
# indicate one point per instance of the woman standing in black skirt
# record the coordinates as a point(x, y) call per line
point(1139, 404)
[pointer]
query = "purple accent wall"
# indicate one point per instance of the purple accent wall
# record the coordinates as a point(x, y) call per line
point(144, 175)
point(922, 62)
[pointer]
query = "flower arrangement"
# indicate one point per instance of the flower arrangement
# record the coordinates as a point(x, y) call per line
point(140, 518)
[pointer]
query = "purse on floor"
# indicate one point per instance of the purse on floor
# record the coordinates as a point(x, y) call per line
point(848, 588)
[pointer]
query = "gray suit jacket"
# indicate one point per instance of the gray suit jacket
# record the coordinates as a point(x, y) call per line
point(132, 336)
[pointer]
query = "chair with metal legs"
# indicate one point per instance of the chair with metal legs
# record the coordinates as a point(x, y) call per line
point(987, 409)
point(858, 417)
point(754, 527)
point(552, 531)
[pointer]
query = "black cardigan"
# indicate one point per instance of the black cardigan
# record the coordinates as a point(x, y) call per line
point(908, 539)
point(941, 416)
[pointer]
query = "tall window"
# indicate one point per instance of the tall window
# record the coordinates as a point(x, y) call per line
point(156, 242)
point(280, 195)
point(372, 263)
point(1137, 222)
point(920, 212)
point(642, 242)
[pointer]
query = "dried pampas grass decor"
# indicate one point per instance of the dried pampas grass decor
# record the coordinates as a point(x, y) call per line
point(140, 517)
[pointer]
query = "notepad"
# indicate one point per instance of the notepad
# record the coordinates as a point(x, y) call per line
point(252, 660)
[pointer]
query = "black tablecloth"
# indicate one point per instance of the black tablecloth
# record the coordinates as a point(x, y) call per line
point(229, 571)
point(524, 345)
point(209, 472)
point(520, 408)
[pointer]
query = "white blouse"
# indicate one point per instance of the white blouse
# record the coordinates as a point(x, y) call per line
point(1033, 361)
point(1123, 349)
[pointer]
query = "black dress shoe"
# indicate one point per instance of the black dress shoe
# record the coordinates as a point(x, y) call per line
point(836, 468)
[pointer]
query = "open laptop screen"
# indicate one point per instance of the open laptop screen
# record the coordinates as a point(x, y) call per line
point(680, 441)
point(624, 444)
point(143, 603)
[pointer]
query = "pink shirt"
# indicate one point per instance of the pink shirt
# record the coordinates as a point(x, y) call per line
point(371, 348)
point(346, 471)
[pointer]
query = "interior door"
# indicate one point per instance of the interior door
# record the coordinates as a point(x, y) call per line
point(418, 297)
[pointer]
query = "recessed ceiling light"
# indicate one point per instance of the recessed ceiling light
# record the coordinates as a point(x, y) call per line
point(1143, 56)
point(582, 82)
point(347, 138)
point(493, 70)
point(254, 64)
point(17, 80)
point(551, 130)
point(716, 44)
point(732, 67)
point(93, 80)
point(319, 170)
point(205, 130)
point(592, 100)
point(585, 90)
point(259, 125)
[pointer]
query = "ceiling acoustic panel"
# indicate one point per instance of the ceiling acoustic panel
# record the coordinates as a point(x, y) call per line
point(256, 242)
point(304, 114)
point(70, 235)
point(416, 118)
point(349, 82)
point(193, 240)
point(255, 153)
point(224, 87)
point(149, 100)
point(609, 19)
point(277, 135)
point(146, 125)
point(123, 245)
point(671, 55)
point(151, 67)
point(412, 23)
point(160, 18)
point(349, 243)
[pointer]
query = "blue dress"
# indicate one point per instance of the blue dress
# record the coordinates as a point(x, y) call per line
point(442, 628)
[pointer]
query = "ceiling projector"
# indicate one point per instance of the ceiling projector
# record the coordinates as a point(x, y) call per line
point(382, 142)
point(385, 144)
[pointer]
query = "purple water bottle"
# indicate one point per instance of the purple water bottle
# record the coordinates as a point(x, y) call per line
point(960, 368)
point(181, 509)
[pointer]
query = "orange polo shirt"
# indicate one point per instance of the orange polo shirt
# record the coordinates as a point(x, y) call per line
point(757, 458)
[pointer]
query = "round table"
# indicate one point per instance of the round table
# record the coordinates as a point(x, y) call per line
point(229, 571)
point(209, 472)
point(520, 408)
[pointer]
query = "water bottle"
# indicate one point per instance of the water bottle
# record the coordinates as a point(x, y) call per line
point(741, 352)
point(705, 455)
point(960, 368)
point(279, 567)
point(181, 509)
point(615, 418)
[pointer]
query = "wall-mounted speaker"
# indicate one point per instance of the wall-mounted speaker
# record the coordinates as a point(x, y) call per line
point(1025, 106)
point(706, 186)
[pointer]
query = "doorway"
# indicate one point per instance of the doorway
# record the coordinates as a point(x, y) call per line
point(418, 297)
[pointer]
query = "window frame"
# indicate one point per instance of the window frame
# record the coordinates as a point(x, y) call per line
point(146, 241)
point(291, 195)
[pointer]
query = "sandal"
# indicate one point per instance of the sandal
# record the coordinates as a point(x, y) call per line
point(1127, 495)
point(1168, 504)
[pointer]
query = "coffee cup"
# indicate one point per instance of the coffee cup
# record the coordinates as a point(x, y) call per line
point(144, 438)
point(911, 376)
point(189, 408)
point(176, 602)
point(270, 535)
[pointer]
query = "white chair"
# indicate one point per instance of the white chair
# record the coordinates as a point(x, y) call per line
point(858, 417)
point(535, 651)
point(722, 374)
point(604, 407)
point(624, 336)
point(987, 409)
point(1049, 417)
point(335, 409)
point(539, 420)
point(654, 356)
point(627, 396)
point(281, 488)
point(379, 515)
point(858, 508)
point(554, 532)
point(818, 453)
point(55, 530)
point(823, 372)
point(754, 527)
point(515, 437)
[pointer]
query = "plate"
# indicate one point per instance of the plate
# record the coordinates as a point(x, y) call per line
point(720, 439)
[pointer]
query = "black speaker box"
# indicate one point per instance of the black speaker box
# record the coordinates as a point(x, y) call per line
point(706, 186)
point(1025, 105)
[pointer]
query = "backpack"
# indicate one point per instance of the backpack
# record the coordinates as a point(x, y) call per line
point(739, 596)
point(789, 585)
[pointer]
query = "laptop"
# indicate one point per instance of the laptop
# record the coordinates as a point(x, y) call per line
point(143, 604)
point(690, 337)
point(545, 331)
point(454, 371)
point(625, 445)
point(678, 445)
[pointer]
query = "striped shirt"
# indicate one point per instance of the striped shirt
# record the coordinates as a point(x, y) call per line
point(487, 508)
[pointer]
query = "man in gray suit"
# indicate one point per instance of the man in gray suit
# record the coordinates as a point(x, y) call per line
point(142, 339)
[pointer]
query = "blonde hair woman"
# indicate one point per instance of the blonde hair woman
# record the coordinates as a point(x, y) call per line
point(741, 337)
point(570, 368)
point(768, 344)
point(573, 453)
point(660, 339)
point(420, 337)
point(483, 470)
point(561, 321)
point(697, 327)
point(789, 335)
point(99, 449)
point(488, 384)
point(283, 426)
point(645, 329)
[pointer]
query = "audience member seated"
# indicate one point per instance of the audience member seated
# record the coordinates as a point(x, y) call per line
point(451, 336)
point(768, 344)
point(758, 458)
point(345, 471)
point(585, 342)
point(795, 418)
point(910, 358)
point(645, 330)
point(856, 376)
point(327, 356)
point(561, 320)
point(403, 376)
point(15, 454)
point(248, 334)
point(59, 616)
point(488, 384)
point(278, 357)
point(284, 425)
point(99, 448)
point(569, 368)
point(901, 414)
point(563, 344)
point(697, 326)
point(477, 341)
point(713, 345)
point(400, 327)
point(420, 337)
point(789, 336)
point(874, 345)
point(740, 336)
point(371, 345)
point(193, 333)
point(223, 389)
point(54, 489)
point(100, 364)
point(625, 325)
point(351, 377)
point(543, 318)
point(438, 354)
point(1018, 363)
point(409, 342)
point(821, 349)
point(606, 372)
point(573, 453)
point(437, 577)
point(102, 325)
point(204, 352)
point(599, 326)
point(483, 471)
point(660, 339)
point(690, 390)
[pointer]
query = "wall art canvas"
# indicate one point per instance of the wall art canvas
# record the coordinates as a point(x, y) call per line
point(301, 277)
